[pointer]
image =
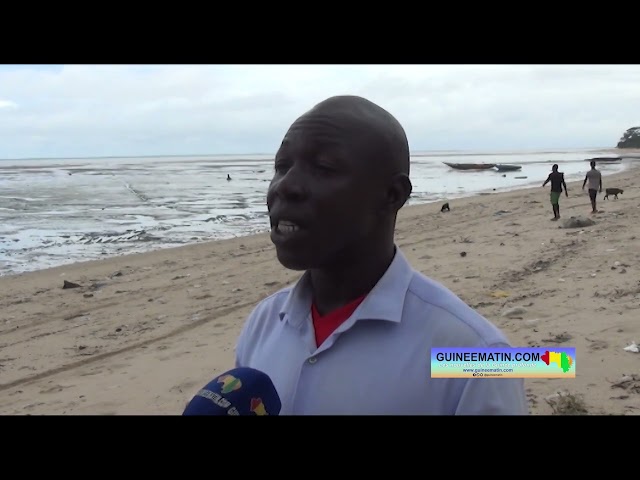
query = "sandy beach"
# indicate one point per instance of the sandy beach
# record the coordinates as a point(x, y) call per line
point(141, 333)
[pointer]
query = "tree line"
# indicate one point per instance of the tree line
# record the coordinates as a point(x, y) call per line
point(630, 138)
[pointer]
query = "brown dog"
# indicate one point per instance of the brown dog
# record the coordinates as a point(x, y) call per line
point(613, 191)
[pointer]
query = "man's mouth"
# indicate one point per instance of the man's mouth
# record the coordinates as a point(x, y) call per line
point(286, 227)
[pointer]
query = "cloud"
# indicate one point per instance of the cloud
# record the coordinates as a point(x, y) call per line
point(94, 110)
point(7, 104)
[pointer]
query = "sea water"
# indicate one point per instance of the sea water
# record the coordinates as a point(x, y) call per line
point(59, 211)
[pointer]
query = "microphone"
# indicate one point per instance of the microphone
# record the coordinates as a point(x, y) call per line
point(240, 391)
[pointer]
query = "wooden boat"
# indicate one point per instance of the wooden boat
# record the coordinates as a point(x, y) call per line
point(604, 159)
point(503, 167)
point(470, 166)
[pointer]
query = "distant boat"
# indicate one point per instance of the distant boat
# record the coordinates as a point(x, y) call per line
point(470, 166)
point(502, 167)
point(604, 159)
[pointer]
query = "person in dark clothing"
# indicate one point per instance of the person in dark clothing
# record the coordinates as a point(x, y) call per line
point(557, 182)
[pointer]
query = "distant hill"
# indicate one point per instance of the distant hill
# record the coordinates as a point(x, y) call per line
point(630, 138)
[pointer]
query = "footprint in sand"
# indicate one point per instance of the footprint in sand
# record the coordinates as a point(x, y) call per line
point(55, 388)
point(164, 358)
point(184, 386)
point(597, 345)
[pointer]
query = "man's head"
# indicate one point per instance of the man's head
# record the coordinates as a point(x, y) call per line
point(555, 168)
point(593, 164)
point(341, 175)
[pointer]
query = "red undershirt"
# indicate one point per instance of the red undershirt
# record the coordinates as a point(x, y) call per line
point(325, 325)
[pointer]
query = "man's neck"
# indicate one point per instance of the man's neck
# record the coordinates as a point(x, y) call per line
point(335, 287)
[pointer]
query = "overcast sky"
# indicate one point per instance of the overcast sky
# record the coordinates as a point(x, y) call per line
point(105, 110)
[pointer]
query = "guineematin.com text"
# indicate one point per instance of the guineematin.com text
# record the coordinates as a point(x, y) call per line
point(470, 367)
point(488, 357)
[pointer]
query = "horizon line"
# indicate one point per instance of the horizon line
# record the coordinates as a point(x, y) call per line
point(412, 152)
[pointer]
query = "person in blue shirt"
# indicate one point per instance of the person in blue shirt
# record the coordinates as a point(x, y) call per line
point(353, 336)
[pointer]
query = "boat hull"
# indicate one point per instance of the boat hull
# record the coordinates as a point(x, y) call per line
point(604, 159)
point(470, 166)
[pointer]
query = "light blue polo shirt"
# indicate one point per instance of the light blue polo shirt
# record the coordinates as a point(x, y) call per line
point(378, 361)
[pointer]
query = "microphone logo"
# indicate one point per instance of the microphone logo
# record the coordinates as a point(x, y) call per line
point(257, 407)
point(229, 383)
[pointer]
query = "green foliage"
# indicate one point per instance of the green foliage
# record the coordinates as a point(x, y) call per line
point(630, 138)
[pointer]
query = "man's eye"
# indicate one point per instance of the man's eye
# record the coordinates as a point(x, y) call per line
point(326, 167)
point(281, 167)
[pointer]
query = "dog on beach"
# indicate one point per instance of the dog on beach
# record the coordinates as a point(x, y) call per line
point(445, 208)
point(613, 191)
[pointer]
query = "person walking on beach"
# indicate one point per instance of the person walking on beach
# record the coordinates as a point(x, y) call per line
point(594, 177)
point(557, 182)
point(354, 335)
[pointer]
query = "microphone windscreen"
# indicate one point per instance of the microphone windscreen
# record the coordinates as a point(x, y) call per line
point(240, 391)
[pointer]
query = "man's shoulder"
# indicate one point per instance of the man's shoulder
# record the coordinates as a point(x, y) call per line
point(273, 302)
point(437, 303)
point(427, 302)
point(264, 314)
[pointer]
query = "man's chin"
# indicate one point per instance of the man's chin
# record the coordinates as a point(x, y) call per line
point(292, 261)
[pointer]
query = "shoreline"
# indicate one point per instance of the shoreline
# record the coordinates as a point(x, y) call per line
point(140, 248)
point(145, 330)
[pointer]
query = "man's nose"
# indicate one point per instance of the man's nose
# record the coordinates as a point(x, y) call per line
point(291, 186)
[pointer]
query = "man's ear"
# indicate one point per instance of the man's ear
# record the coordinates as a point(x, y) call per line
point(398, 192)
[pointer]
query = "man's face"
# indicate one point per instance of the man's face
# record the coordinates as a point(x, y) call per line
point(323, 196)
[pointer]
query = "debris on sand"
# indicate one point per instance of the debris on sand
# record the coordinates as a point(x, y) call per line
point(559, 338)
point(577, 222)
point(630, 383)
point(499, 294)
point(632, 348)
point(514, 312)
point(565, 403)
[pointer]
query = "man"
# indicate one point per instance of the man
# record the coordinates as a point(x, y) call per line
point(354, 334)
point(557, 182)
point(594, 177)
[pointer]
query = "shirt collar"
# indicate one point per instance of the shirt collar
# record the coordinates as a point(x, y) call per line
point(384, 302)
